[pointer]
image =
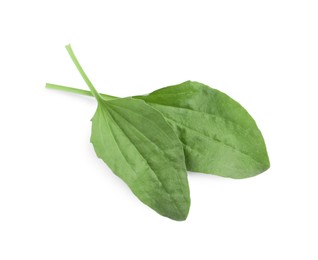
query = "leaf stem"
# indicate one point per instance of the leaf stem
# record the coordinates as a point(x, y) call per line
point(77, 91)
point(83, 74)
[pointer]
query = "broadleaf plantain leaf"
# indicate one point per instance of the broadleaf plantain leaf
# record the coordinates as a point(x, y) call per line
point(218, 134)
point(140, 147)
point(136, 142)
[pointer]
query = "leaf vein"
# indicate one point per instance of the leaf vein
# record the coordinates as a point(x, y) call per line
point(204, 113)
point(215, 140)
point(152, 170)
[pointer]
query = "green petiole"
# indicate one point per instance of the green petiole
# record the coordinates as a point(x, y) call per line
point(77, 91)
point(83, 74)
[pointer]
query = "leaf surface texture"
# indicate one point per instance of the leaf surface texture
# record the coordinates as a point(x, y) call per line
point(140, 147)
point(218, 134)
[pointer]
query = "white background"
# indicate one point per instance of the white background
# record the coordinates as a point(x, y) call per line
point(58, 201)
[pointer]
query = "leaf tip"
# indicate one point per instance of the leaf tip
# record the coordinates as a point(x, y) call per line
point(183, 211)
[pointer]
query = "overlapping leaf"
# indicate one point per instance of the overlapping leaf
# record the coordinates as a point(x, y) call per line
point(218, 134)
point(135, 141)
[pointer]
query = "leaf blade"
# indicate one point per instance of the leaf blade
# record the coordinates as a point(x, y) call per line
point(152, 165)
point(218, 134)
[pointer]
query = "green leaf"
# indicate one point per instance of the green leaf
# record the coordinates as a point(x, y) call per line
point(140, 147)
point(136, 142)
point(218, 134)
